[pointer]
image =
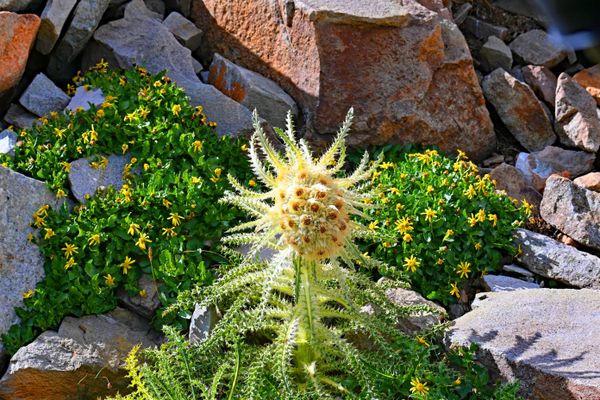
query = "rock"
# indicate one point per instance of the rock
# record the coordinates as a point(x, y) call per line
point(494, 160)
point(21, 264)
point(19, 6)
point(537, 48)
point(42, 96)
point(542, 81)
point(8, 141)
point(552, 259)
point(573, 210)
point(495, 54)
point(184, 30)
point(84, 359)
point(544, 338)
point(85, 180)
point(145, 302)
point(198, 67)
point(157, 6)
point(415, 323)
point(17, 34)
point(462, 12)
point(515, 269)
point(589, 181)
point(204, 320)
point(19, 117)
point(86, 19)
point(483, 30)
point(510, 179)
point(83, 98)
point(252, 90)
point(536, 167)
point(402, 66)
point(525, 8)
point(519, 109)
point(54, 16)
point(501, 283)
point(590, 80)
point(577, 122)
point(140, 38)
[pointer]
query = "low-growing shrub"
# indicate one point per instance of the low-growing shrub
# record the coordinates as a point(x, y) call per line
point(165, 219)
point(443, 223)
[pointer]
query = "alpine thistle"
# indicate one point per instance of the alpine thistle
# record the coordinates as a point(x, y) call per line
point(307, 207)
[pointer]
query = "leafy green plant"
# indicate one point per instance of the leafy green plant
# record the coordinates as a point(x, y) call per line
point(292, 325)
point(443, 223)
point(164, 221)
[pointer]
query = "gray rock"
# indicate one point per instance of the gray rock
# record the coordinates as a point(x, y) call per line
point(144, 305)
point(204, 320)
point(573, 210)
point(143, 40)
point(495, 54)
point(589, 181)
point(157, 6)
point(19, 6)
point(184, 30)
point(204, 76)
point(525, 8)
point(86, 19)
point(482, 30)
point(85, 180)
point(84, 359)
point(252, 90)
point(42, 96)
point(461, 13)
point(413, 324)
point(21, 264)
point(198, 67)
point(519, 109)
point(54, 16)
point(552, 259)
point(501, 283)
point(577, 122)
point(8, 141)
point(542, 81)
point(19, 117)
point(547, 339)
point(512, 181)
point(515, 269)
point(83, 98)
point(536, 167)
point(537, 48)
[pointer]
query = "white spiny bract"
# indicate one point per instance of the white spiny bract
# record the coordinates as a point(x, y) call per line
point(307, 207)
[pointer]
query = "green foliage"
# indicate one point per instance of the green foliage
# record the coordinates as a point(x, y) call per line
point(293, 326)
point(442, 222)
point(164, 221)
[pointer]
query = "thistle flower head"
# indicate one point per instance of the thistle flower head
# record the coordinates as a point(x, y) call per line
point(307, 206)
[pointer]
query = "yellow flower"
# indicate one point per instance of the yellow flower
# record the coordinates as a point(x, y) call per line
point(218, 172)
point(430, 189)
point(454, 290)
point(175, 219)
point(124, 148)
point(197, 145)
point(394, 190)
point(133, 229)
point(472, 220)
point(404, 225)
point(481, 215)
point(79, 149)
point(478, 246)
point(464, 269)
point(373, 225)
point(493, 218)
point(166, 203)
point(59, 132)
point(418, 387)
point(30, 237)
point(126, 265)
point(49, 233)
point(109, 280)
point(429, 214)
point(70, 263)
point(386, 165)
point(252, 182)
point(176, 109)
point(470, 193)
point(439, 261)
point(94, 240)
point(387, 244)
point(28, 294)
point(122, 81)
point(169, 232)
point(143, 112)
point(449, 233)
point(422, 341)
point(142, 240)
point(244, 147)
point(69, 249)
point(457, 381)
point(60, 193)
point(196, 180)
point(399, 206)
point(527, 206)
point(157, 84)
point(142, 293)
point(407, 237)
point(411, 263)
point(100, 113)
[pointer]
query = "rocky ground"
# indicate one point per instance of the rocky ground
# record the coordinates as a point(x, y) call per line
point(481, 76)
